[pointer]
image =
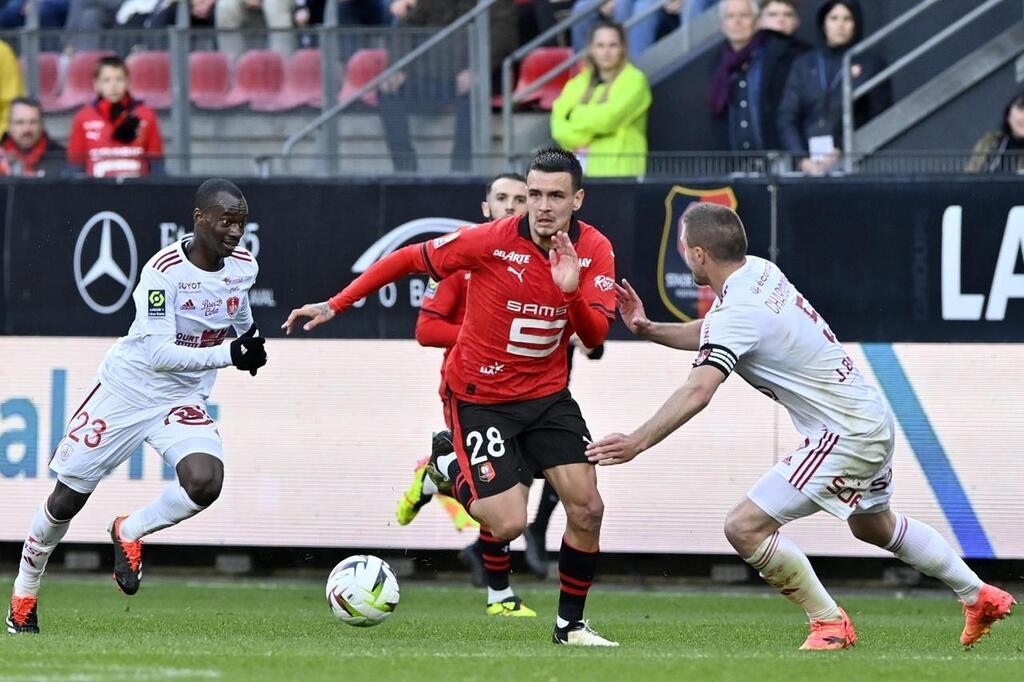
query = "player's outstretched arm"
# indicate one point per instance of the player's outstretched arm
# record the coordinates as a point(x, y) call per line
point(405, 261)
point(317, 313)
point(688, 400)
point(684, 336)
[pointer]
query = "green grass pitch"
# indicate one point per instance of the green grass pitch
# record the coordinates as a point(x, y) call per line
point(217, 630)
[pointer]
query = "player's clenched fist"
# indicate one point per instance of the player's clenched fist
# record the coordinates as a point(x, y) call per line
point(248, 353)
point(318, 313)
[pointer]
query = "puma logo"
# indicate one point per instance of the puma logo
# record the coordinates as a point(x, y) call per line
point(518, 273)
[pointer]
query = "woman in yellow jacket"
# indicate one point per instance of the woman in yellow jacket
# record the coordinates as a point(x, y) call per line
point(602, 112)
point(11, 85)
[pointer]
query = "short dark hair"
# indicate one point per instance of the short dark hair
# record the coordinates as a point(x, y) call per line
point(795, 4)
point(206, 195)
point(503, 176)
point(716, 229)
point(28, 102)
point(558, 160)
point(111, 61)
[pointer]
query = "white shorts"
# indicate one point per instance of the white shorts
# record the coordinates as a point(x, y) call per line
point(106, 430)
point(843, 475)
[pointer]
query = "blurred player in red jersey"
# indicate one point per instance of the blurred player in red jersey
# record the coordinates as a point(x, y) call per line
point(536, 280)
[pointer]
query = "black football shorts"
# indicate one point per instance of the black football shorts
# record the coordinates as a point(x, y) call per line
point(501, 445)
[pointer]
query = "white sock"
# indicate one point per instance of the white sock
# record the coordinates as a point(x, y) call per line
point(172, 507)
point(429, 487)
point(42, 539)
point(444, 463)
point(786, 568)
point(923, 548)
point(499, 595)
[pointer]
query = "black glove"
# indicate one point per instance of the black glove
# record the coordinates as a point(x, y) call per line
point(248, 353)
point(127, 130)
point(596, 353)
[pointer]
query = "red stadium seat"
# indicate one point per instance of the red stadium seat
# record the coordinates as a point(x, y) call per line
point(49, 78)
point(151, 78)
point(302, 84)
point(537, 63)
point(78, 81)
point(209, 75)
point(363, 67)
point(259, 80)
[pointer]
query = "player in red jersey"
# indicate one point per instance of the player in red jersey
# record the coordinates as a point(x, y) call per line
point(441, 315)
point(536, 280)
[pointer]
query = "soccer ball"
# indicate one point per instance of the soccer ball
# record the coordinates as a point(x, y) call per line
point(362, 590)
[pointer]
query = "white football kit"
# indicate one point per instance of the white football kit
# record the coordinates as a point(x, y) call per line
point(154, 383)
point(763, 329)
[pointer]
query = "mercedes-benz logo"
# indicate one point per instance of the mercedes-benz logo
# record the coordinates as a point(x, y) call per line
point(105, 264)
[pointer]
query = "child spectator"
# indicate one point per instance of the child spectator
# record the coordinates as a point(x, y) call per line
point(115, 135)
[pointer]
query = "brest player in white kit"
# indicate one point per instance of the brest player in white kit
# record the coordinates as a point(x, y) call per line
point(153, 386)
point(764, 330)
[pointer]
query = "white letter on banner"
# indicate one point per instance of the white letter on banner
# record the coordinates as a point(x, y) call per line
point(416, 289)
point(388, 295)
point(955, 305)
point(1007, 284)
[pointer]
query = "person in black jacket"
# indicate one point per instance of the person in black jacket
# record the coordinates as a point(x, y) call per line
point(748, 83)
point(811, 113)
point(25, 149)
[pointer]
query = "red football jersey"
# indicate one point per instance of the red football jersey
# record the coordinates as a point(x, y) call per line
point(441, 314)
point(512, 344)
point(93, 146)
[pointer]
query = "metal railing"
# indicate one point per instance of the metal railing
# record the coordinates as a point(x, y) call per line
point(510, 98)
point(479, 60)
point(699, 166)
point(850, 95)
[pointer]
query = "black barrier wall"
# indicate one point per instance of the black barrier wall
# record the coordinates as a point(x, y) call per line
point(883, 259)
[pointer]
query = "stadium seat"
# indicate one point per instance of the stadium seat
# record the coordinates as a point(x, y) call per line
point(209, 76)
point(302, 84)
point(259, 80)
point(49, 78)
point(151, 78)
point(362, 67)
point(78, 81)
point(537, 63)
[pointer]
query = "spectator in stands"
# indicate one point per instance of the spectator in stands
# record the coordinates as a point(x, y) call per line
point(1002, 151)
point(427, 86)
point(27, 150)
point(811, 113)
point(695, 8)
point(163, 13)
point(779, 15)
point(86, 18)
point(581, 31)
point(11, 85)
point(750, 78)
point(231, 15)
point(602, 111)
point(641, 34)
point(116, 135)
point(350, 12)
point(52, 13)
